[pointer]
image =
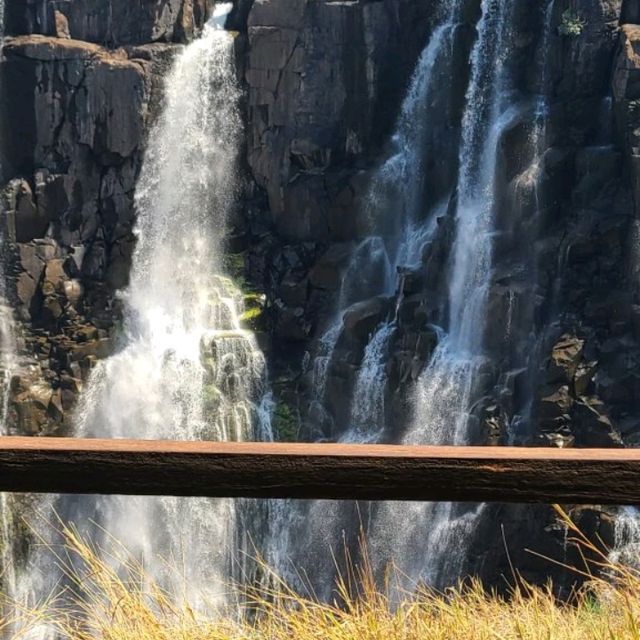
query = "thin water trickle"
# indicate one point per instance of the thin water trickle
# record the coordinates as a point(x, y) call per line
point(531, 180)
point(368, 405)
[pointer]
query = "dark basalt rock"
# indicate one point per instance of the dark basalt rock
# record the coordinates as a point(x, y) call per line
point(75, 121)
point(300, 134)
point(110, 22)
point(362, 318)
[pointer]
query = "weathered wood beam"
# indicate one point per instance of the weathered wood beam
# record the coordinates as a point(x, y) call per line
point(320, 471)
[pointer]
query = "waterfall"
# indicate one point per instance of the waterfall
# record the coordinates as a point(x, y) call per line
point(17, 583)
point(436, 535)
point(627, 538)
point(398, 225)
point(8, 366)
point(368, 406)
point(393, 204)
point(187, 369)
point(529, 182)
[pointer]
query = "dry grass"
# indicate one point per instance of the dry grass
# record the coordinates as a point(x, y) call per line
point(113, 608)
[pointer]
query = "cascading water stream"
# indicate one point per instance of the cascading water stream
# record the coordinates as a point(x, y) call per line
point(8, 358)
point(530, 181)
point(367, 410)
point(187, 369)
point(626, 550)
point(446, 387)
point(397, 186)
point(398, 230)
point(8, 366)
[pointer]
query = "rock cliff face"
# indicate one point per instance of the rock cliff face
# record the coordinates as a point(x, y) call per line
point(574, 290)
point(76, 116)
point(110, 22)
point(565, 276)
point(323, 80)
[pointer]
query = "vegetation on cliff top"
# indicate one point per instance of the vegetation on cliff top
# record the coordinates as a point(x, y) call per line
point(125, 606)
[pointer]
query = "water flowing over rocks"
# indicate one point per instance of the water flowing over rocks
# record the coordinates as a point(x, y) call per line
point(340, 163)
point(119, 287)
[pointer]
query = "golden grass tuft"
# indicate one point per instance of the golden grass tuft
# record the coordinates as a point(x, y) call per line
point(131, 608)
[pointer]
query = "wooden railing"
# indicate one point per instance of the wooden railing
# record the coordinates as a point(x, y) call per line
point(320, 471)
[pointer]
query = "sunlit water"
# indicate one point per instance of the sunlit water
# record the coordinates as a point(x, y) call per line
point(187, 369)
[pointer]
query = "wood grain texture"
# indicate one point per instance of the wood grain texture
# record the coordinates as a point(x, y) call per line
point(320, 471)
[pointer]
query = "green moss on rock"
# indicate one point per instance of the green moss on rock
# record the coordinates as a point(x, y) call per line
point(285, 422)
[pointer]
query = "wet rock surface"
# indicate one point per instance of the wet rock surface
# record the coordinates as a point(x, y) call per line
point(561, 335)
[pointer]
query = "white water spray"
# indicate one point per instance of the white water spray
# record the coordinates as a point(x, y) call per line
point(187, 370)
